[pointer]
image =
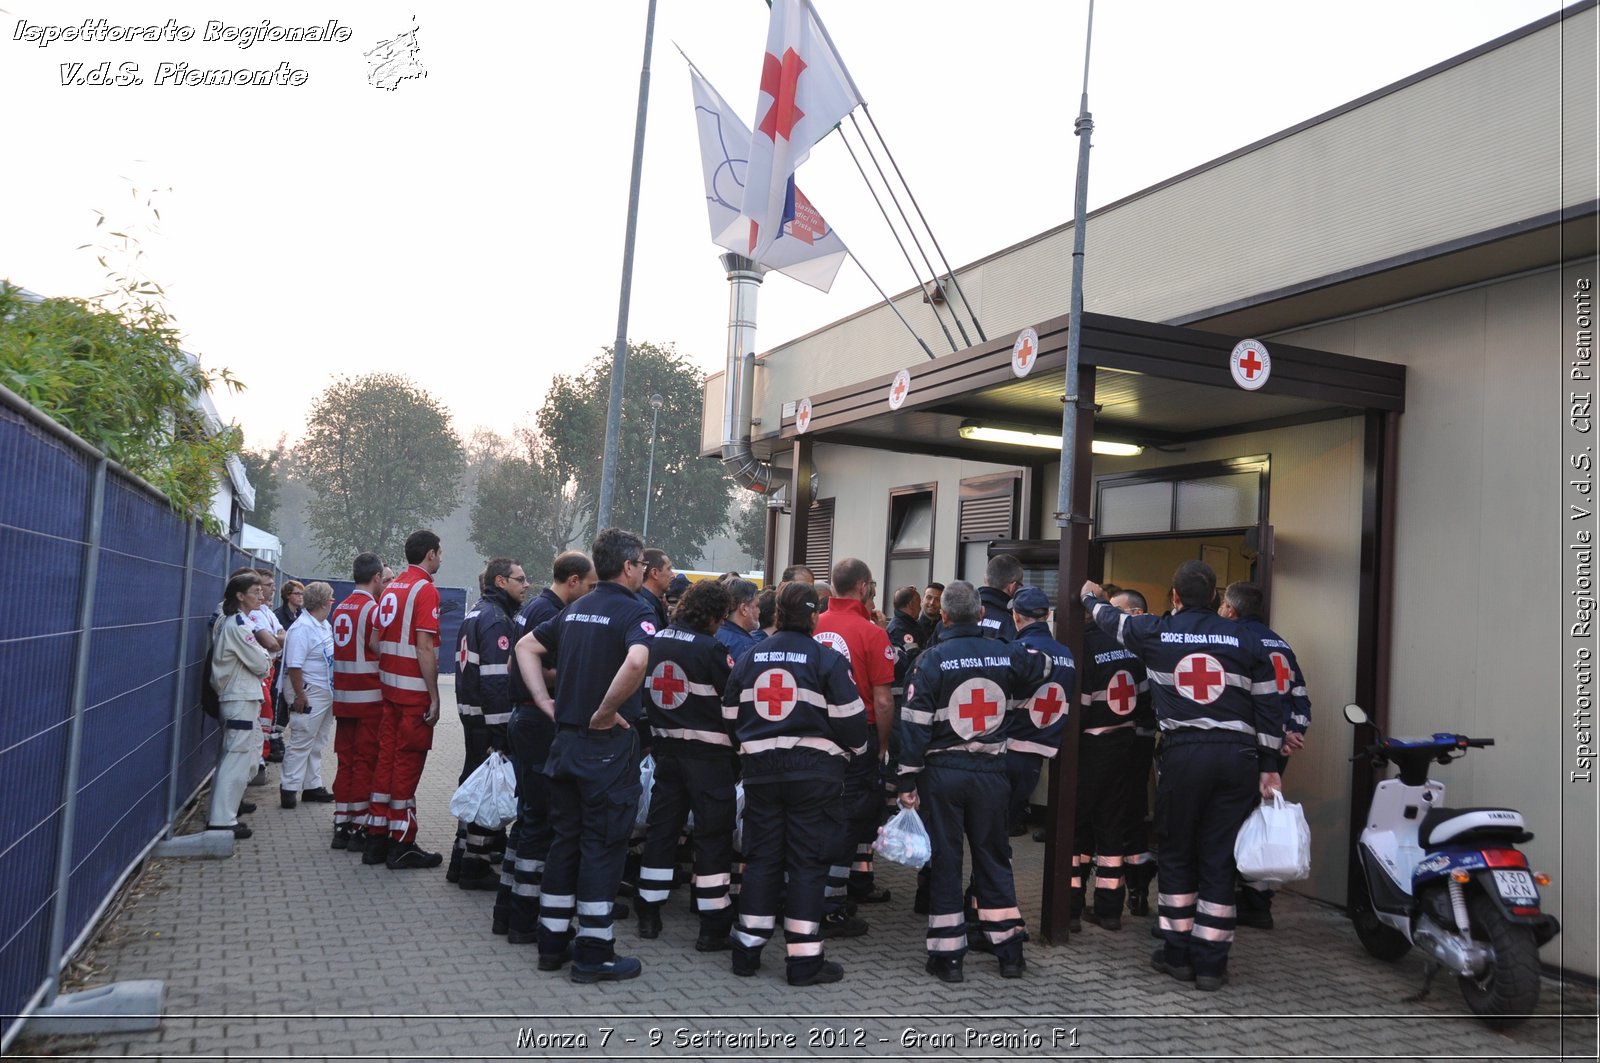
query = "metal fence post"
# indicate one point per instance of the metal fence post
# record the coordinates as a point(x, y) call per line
point(80, 696)
point(183, 663)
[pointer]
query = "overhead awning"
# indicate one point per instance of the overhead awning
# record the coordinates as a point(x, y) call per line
point(1155, 385)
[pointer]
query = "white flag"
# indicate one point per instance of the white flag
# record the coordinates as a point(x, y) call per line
point(809, 250)
point(805, 91)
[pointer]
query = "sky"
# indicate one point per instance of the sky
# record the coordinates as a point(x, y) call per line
point(466, 228)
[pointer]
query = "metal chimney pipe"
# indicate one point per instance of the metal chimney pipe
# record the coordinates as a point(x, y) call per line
point(738, 400)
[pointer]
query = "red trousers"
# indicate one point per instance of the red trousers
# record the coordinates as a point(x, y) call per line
point(355, 743)
point(403, 745)
point(267, 717)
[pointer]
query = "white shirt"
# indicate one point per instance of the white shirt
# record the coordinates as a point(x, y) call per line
point(310, 649)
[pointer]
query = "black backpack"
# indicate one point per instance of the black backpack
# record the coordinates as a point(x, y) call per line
point(210, 704)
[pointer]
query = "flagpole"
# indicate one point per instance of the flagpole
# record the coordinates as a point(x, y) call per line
point(619, 352)
point(1072, 518)
point(925, 349)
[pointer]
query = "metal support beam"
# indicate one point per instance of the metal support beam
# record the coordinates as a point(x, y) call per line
point(800, 492)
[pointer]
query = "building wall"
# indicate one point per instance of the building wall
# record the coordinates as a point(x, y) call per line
point(1478, 568)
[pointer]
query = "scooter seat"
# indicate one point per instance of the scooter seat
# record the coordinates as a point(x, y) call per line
point(1442, 826)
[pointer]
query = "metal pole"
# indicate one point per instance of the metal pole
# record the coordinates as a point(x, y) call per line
point(178, 704)
point(650, 474)
point(1082, 128)
point(619, 352)
point(80, 695)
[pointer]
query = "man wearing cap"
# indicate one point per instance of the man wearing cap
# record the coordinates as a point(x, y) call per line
point(675, 591)
point(1033, 731)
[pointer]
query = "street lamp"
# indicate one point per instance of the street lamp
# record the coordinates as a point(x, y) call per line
point(650, 474)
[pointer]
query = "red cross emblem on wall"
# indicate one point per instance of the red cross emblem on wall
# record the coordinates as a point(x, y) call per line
point(775, 694)
point(1047, 704)
point(1025, 352)
point(977, 707)
point(667, 686)
point(1121, 693)
point(1250, 364)
point(899, 389)
point(1200, 678)
point(1282, 672)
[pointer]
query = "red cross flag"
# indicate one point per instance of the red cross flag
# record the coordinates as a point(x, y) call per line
point(808, 249)
point(805, 90)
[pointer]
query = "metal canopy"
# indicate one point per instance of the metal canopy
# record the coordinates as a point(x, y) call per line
point(1156, 385)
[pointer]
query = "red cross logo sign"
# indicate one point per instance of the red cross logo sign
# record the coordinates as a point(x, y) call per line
point(802, 416)
point(775, 694)
point(1281, 672)
point(668, 689)
point(899, 389)
point(1047, 704)
point(1122, 693)
point(387, 609)
point(1250, 364)
point(977, 708)
point(344, 629)
point(1200, 678)
point(1023, 351)
point(835, 642)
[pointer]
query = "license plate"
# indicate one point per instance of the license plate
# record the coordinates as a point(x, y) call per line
point(1516, 886)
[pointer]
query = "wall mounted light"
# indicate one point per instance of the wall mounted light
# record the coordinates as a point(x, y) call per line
point(1027, 437)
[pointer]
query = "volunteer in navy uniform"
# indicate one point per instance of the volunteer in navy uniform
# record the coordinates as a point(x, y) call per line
point(1242, 602)
point(798, 720)
point(1001, 580)
point(696, 766)
point(1033, 731)
point(483, 700)
point(600, 645)
point(1113, 773)
point(906, 632)
point(1138, 861)
point(528, 735)
point(952, 766)
point(1221, 720)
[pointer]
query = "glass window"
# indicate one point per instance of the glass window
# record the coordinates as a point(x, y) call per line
point(916, 526)
point(1135, 509)
point(1232, 501)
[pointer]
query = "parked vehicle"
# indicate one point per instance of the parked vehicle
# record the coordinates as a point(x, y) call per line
point(1450, 881)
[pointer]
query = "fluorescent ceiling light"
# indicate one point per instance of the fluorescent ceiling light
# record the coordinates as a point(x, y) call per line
point(1022, 437)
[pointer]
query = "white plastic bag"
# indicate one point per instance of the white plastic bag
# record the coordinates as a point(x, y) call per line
point(489, 796)
point(1274, 845)
point(904, 839)
point(647, 782)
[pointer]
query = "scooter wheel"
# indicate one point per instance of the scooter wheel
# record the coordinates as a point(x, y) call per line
point(1509, 990)
point(1378, 938)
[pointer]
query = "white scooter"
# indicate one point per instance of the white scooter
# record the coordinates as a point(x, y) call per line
point(1450, 881)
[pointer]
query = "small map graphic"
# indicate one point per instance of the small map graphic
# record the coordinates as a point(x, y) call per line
point(395, 60)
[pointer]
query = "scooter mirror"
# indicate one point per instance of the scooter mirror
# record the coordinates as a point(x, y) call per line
point(1356, 714)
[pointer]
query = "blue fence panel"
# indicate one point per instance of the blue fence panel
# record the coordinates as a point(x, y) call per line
point(127, 724)
point(197, 744)
point(45, 486)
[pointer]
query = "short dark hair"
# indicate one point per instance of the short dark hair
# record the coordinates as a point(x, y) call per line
point(961, 603)
point(1135, 599)
point(1196, 584)
point(794, 570)
point(905, 596)
point(367, 566)
point(797, 607)
point(267, 574)
point(654, 559)
point(701, 606)
point(570, 563)
point(613, 548)
point(238, 583)
point(419, 544)
point(497, 567)
point(849, 574)
point(767, 606)
point(935, 586)
point(1004, 569)
point(1245, 598)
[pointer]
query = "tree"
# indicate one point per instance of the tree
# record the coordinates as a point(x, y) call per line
point(120, 380)
point(382, 461)
point(520, 507)
point(749, 526)
point(267, 474)
point(691, 494)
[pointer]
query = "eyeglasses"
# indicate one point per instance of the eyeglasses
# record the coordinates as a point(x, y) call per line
point(518, 579)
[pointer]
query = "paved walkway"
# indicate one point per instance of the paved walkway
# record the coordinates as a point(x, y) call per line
point(290, 950)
